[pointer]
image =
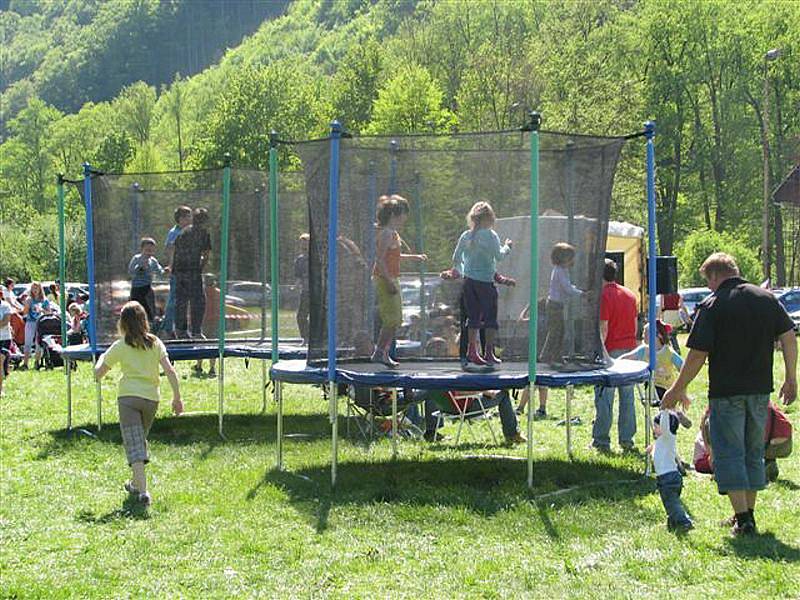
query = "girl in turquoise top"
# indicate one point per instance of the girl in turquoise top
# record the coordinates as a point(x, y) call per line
point(476, 256)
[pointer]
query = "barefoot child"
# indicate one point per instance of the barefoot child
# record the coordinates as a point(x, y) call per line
point(561, 290)
point(139, 354)
point(476, 256)
point(141, 269)
point(392, 214)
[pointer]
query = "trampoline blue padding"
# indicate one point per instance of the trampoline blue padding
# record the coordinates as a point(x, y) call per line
point(292, 349)
point(449, 375)
point(194, 351)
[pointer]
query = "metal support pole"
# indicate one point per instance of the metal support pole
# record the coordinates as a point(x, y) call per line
point(650, 132)
point(534, 122)
point(98, 391)
point(279, 428)
point(68, 367)
point(651, 391)
point(334, 417)
point(263, 387)
point(568, 422)
point(223, 289)
point(62, 297)
point(395, 431)
point(333, 231)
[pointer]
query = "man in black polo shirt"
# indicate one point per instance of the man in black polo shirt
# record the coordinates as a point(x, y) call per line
point(736, 328)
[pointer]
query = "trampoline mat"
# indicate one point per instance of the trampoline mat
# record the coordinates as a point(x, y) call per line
point(449, 375)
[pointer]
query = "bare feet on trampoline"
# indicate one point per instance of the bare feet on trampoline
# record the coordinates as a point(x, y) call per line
point(382, 356)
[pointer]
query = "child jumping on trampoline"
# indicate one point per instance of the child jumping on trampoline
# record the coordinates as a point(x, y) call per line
point(139, 354)
point(561, 289)
point(476, 256)
point(391, 215)
point(141, 269)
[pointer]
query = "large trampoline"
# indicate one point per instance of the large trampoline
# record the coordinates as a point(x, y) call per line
point(545, 187)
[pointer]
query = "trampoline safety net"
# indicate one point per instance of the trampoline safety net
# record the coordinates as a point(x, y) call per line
point(442, 177)
point(129, 207)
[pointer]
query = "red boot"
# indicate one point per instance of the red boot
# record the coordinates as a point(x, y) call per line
point(475, 358)
point(489, 356)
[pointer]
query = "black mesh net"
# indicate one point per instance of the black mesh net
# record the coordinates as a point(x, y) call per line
point(441, 177)
point(129, 207)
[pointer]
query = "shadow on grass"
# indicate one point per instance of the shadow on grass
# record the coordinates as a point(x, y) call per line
point(786, 484)
point(130, 509)
point(764, 545)
point(484, 486)
point(194, 429)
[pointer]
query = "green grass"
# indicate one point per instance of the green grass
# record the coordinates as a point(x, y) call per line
point(438, 522)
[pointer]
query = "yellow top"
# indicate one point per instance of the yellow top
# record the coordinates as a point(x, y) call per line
point(139, 368)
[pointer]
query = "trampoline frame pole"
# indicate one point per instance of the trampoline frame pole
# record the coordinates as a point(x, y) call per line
point(92, 325)
point(333, 227)
point(570, 393)
point(423, 301)
point(62, 297)
point(274, 257)
point(223, 288)
point(650, 132)
point(395, 430)
point(278, 388)
point(534, 122)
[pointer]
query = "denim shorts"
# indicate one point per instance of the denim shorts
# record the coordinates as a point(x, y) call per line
point(736, 426)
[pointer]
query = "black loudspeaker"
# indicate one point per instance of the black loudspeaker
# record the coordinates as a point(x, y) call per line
point(666, 274)
point(619, 258)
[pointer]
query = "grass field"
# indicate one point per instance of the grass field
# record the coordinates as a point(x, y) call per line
point(438, 522)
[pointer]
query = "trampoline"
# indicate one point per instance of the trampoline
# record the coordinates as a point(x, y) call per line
point(239, 296)
point(545, 187)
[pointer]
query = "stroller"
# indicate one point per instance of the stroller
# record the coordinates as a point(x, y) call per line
point(48, 340)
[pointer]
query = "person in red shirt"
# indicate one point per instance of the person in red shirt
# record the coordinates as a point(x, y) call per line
point(618, 316)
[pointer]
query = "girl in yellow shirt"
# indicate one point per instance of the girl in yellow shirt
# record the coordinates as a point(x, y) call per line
point(139, 354)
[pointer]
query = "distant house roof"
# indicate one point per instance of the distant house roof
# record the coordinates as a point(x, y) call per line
point(788, 192)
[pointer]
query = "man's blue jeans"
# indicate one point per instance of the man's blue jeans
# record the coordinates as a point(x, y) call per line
point(737, 424)
point(169, 309)
point(604, 404)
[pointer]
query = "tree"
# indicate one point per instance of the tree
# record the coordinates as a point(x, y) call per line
point(134, 109)
point(411, 101)
point(354, 86)
point(700, 244)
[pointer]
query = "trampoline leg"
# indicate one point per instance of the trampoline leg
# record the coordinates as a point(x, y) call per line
point(264, 387)
point(98, 392)
point(221, 396)
point(278, 391)
point(570, 395)
point(529, 412)
point(68, 367)
point(395, 431)
point(651, 390)
point(334, 416)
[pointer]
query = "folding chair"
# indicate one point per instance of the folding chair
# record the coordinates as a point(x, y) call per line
point(371, 410)
point(464, 407)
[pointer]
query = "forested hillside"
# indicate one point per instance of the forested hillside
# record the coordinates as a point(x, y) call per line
point(381, 66)
point(68, 52)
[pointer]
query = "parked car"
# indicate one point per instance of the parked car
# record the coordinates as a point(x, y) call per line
point(795, 316)
point(790, 298)
point(250, 293)
point(693, 296)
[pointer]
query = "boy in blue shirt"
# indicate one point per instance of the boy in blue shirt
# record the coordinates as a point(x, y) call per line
point(141, 269)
